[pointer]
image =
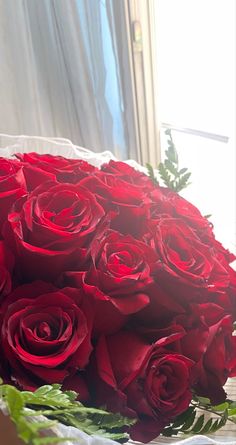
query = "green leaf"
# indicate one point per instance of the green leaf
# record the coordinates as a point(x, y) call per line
point(214, 426)
point(165, 176)
point(171, 175)
point(182, 171)
point(179, 421)
point(223, 420)
point(221, 407)
point(151, 173)
point(182, 182)
point(168, 132)
point(202, 400)
point(71, 395)
point(198, 424)
point(15, 402)
point(207, 427)
point(189, 422)
point(43, 390)
point(170, 166)
point(56, 405)
point(172, 154)
point(169, 431)
point(24, 430)
point(231, 403)
point(209, 215)
point(49, 395)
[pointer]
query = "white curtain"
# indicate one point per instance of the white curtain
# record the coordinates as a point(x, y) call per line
point(62, 73)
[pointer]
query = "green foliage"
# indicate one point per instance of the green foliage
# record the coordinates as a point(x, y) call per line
point(58, 406)
point(192, 422)
point(173, 177)
point(209, 215)
point(151, 173)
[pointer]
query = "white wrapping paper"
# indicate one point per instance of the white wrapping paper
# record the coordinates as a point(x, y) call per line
point(9, 145)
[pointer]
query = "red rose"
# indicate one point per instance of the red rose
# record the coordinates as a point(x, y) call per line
point(226, 298)
point(128, 174)
point(45, 334)
point(6, 268)
point(12, 186)
point(52, 229)
point(166, 201)
point(232, 290)
point(34, 176)
point(177, 207)
point(209, 342)
point(186, 267)
point(65, 170)
point(149, 380)
point(129, 203)
point(218, 361)
point(160, 311)
point(77, 383)
point(118, 278)
point(196, 323)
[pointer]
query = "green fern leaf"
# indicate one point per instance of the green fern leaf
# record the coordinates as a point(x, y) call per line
point(198, 424)
point(151, 173)
point(15, 402)
point(170, 166)
point(189, 422)
point(207, 427)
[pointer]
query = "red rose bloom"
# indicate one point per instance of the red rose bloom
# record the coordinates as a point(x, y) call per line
point(12, 186)
point(6, 268)
point(218, 361)
point(45, 334)
point(128, 174)
point(166, 201)
point(64, 170)
point(128, 202)
point(118, 278)
point(186, 266)
point(149, 380)
point(177, 207)
point(160, 311)
point(209, 342)
point(52, 229)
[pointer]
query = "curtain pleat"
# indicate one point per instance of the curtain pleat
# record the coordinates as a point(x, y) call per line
point(62, 73)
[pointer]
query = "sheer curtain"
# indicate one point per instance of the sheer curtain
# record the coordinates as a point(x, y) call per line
point(62, 73)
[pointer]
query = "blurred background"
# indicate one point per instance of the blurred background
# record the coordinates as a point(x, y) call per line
point(115, 74)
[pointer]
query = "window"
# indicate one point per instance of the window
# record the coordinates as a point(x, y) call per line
point(195, 52)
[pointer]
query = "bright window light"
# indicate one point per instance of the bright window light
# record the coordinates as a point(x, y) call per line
point(196, 86)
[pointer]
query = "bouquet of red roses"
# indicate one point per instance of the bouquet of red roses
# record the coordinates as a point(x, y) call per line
point(115, 287)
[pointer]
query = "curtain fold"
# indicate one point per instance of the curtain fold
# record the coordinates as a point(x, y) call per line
point(62, 73)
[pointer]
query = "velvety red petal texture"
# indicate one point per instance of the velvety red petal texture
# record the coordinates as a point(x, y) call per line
point(45, 333)
point(6, 269)
point(146, 378)
point(51, 229)
point(185, 262)
point(118, 279)
point(63, 169)
point(12, 186)
point(130, 202)
point(128, 174)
